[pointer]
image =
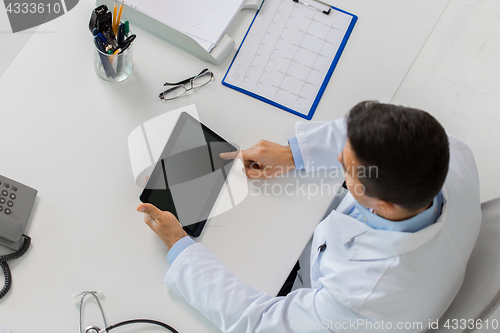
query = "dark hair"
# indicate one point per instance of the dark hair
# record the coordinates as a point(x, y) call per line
point(407, 147)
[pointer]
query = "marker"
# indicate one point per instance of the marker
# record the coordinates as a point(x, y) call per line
point(127, 28)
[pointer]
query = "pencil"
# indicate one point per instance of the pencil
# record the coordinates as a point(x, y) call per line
point(114, 17)
point(119, 18)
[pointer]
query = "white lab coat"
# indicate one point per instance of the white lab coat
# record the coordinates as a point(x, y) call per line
point(366, 279)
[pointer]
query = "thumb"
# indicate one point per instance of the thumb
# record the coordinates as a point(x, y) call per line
point(149, 209)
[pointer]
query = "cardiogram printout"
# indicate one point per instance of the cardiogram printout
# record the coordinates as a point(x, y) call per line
point(289, 54)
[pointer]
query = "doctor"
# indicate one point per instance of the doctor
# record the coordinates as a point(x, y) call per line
point(391, 258)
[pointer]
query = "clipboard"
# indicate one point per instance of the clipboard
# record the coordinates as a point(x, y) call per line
point(289, 54)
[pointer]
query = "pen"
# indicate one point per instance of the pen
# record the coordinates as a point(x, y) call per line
point(112, 59)
point(127, 42)
point(99, 45)
point(110, 37)
point(125, 46)
point(130, 39)
point(108, 68)
point(121, 33)
point(119, 65)
point(104, 42)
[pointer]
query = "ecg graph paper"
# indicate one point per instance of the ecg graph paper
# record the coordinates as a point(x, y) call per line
point(287, 54)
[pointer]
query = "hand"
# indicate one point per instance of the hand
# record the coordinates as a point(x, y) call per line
point(265, 160)
point(164, 224)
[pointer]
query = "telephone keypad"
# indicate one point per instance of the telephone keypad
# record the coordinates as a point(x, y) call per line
point(16, 203)
point(5, 195)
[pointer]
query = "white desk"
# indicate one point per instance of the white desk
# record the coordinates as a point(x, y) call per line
point(64, 132)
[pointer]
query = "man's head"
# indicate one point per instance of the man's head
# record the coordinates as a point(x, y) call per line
point(398, 155)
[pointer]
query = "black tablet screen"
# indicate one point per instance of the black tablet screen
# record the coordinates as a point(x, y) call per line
point(189, 174)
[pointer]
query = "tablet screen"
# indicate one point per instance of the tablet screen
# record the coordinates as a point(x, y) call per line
point(189, 174)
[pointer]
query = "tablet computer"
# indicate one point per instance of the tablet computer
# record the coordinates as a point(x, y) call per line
point(189, 174)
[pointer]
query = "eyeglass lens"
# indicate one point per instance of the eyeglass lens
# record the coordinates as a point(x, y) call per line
point(196, 82)
point(201, 80)
point(173, 92)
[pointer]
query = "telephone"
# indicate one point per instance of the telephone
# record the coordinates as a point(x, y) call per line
point(16, 202)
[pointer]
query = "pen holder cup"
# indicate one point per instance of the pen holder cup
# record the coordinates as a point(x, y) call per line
point(113, 68)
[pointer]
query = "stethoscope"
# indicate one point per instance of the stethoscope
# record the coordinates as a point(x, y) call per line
point(94, 329)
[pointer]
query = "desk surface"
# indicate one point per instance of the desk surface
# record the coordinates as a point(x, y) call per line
point(67, 137)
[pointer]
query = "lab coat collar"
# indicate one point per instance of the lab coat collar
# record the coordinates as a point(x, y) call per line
point(372, 244)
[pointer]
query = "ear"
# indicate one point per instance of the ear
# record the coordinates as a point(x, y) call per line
point(385, 207)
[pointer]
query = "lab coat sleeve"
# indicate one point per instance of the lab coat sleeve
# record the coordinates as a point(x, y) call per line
point(233, 306)
point(321, 142)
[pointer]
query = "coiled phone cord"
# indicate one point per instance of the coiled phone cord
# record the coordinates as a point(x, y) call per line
point(5, 266)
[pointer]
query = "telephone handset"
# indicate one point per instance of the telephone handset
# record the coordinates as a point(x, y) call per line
point(16, 202)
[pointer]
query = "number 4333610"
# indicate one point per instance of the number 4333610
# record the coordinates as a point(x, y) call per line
point(38, 8)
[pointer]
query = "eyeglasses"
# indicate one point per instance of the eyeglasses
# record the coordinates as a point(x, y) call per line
point(180, 88)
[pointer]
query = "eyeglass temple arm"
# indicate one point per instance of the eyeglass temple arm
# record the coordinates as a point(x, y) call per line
point(186, 80)
point(167, 91)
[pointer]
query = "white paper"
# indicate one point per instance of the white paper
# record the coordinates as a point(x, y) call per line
point(205, 21)
point(288, 52)
point(5, 329)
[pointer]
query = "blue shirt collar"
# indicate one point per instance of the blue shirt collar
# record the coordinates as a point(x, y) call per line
point(413, 224)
